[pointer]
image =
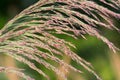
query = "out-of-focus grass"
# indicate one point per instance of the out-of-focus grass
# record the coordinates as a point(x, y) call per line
point(115, 62)
point(3, 20)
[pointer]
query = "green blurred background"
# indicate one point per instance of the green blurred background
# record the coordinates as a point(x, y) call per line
point(104, 61)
